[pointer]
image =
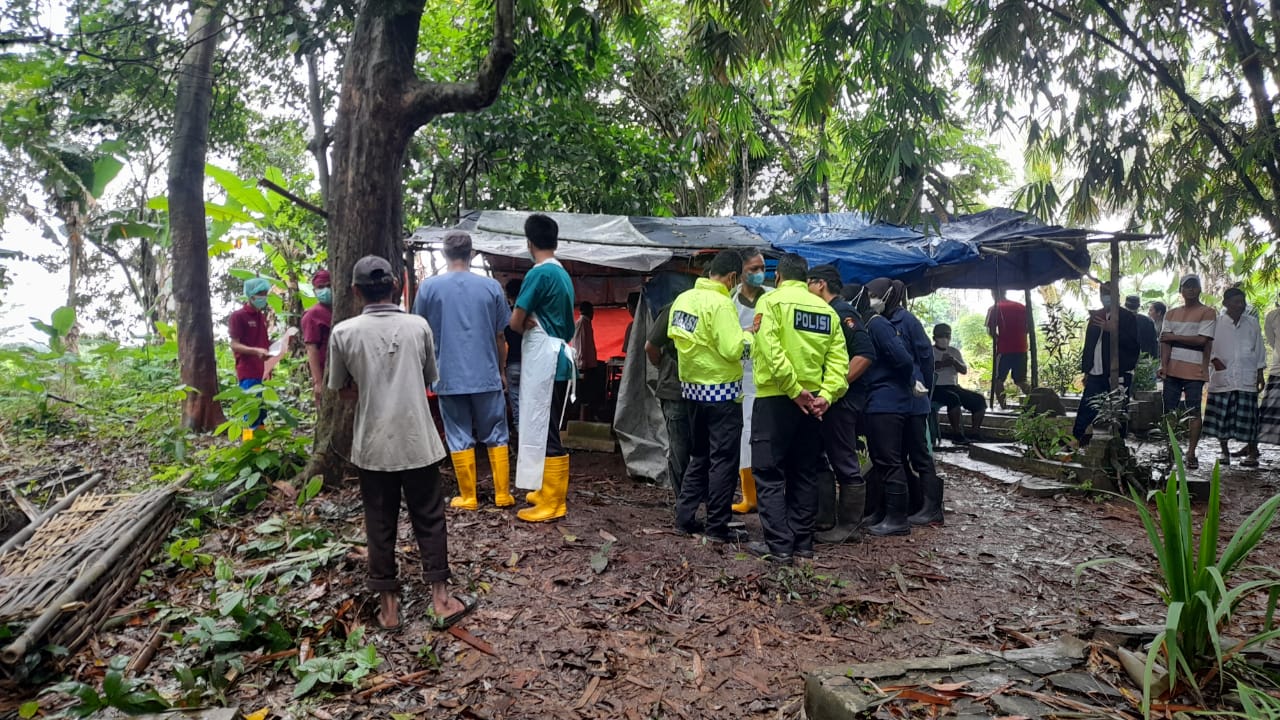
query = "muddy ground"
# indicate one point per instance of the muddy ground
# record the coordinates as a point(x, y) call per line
point(609, 613)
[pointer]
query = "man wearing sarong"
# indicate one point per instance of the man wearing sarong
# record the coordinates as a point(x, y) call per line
point(544, 315)
point(1235, 379)
point(467, 313)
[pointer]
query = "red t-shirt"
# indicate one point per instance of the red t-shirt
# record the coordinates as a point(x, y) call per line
point(316, 323)
point(248, 326)
point(1010, 321)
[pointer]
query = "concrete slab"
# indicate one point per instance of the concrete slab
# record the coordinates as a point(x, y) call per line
point(836, 693)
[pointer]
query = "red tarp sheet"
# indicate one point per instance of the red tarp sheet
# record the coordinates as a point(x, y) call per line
point(610, 325)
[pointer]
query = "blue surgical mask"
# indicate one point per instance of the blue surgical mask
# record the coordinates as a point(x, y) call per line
point(258, 301)
point(1106, 302)
point(755, 279)
point(325, 296)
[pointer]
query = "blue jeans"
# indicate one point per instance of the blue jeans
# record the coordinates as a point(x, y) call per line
point(474, 417)
point(262, 414)
point(513, 390)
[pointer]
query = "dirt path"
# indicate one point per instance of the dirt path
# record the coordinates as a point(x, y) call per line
point(610, 614)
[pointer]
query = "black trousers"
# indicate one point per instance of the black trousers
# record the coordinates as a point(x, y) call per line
point(885, 445)
point(381, 493)
point(554, 448)
point(1095, 385)
point(786, 452)
point(840, 440)
point(712, 473)
point(919, 456)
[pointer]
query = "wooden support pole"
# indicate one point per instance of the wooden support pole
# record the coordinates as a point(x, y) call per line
point(1031, 340)
point(1115, 313)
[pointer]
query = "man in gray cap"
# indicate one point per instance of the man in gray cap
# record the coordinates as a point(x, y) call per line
point(385, 358)
point(1186, 344)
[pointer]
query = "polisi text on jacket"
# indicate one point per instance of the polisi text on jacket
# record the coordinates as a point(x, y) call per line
point(813, 322)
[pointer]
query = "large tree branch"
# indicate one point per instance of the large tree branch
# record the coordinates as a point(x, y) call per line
point(1249, 57)
point(1213, 126)
point(423, 101)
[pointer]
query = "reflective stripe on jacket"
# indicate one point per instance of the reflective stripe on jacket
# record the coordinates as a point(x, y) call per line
point(800, 345)
point(709, 341)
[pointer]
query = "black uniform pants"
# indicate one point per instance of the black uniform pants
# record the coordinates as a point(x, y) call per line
point(786, 452)
point(919, 455)
point(885, 444)
point(840, 440)
point(558, 393)
point(712, 474)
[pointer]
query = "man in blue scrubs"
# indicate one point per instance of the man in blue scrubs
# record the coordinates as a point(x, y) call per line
point(467, 314)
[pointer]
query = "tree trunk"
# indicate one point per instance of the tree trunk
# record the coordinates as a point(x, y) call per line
point(187, 219)
point(73, 216)
point(319, 143)
point(381, 105)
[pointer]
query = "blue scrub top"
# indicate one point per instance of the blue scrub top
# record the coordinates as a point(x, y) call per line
point(467, 313)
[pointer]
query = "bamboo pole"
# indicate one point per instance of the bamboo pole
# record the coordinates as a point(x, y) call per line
point(1031, 340)
point(25, 533)
point(16, 650)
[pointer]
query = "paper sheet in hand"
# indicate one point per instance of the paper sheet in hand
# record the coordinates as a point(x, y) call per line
point(278, 346)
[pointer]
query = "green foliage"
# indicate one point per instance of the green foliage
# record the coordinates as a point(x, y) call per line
point(1144, 375)
point(1194, 578)
point(347, 667)
point(129, 695)
point(184, 553)
point(1040, 434)
point(1060, 368)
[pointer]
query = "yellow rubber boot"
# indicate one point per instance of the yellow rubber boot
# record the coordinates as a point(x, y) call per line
point(464, 466)
point(748, 503)
point(500, 464)
point(555, 486)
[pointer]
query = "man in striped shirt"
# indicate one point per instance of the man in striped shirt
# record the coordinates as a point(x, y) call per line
point(1186, 344)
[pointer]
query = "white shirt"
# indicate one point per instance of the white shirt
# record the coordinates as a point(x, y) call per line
point(1272, 333)
point(1239, 347)
point(948, 375)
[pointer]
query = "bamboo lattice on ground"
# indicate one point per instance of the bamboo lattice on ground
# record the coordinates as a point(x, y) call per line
point(57, 586)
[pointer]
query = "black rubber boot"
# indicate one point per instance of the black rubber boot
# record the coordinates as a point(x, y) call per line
point(873, 505)
point(931, 512)
point(895, 513)
point(849, 511)
point(826, 517)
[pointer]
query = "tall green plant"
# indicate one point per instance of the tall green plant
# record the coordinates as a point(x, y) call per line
point(1194, 577)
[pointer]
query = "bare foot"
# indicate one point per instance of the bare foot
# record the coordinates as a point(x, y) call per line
point(448, 606)
point(388, 610)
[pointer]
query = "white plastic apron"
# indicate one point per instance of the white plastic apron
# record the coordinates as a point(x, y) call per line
point(746, 317)
point(539, 357)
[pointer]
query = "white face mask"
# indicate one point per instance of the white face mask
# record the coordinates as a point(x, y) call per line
point(877, 305)
point(942, 343)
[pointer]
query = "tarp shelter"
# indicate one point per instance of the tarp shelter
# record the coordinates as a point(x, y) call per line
point(610, 256)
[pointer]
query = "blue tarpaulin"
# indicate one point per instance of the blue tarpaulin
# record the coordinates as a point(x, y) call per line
point(996, 248)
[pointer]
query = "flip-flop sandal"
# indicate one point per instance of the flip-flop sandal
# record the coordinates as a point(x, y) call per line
point(1192, 463)
point(377, 619)
point(469, 603)
point(1249, 462)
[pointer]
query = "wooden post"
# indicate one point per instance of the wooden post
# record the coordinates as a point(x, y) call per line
point(1115, 312)
point(1031, 340)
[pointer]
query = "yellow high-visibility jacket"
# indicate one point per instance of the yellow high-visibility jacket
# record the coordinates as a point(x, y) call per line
point(799, 346)
point(709, 342)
